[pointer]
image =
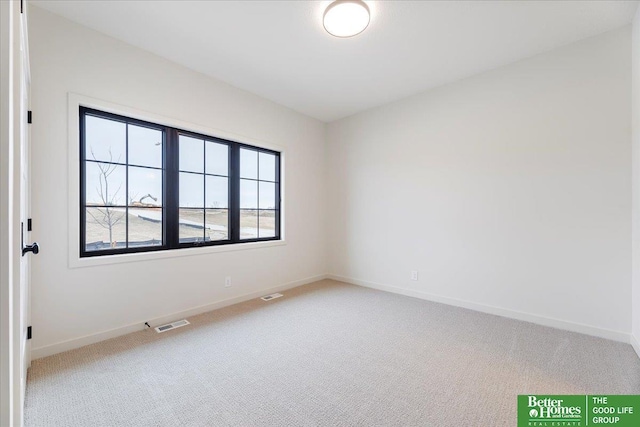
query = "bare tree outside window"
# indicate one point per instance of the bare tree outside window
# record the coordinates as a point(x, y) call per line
point(106, 216)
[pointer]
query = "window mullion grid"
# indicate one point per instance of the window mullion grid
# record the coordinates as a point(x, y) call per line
point(104, 162)
point(163, 165)
point(172, 202)
point(126, 187)
point(234, 194)
point(277, 213)
point(83, 183)
point(258, 190)
point(204, 186)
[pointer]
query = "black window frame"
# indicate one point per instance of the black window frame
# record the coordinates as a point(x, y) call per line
point(171, 188)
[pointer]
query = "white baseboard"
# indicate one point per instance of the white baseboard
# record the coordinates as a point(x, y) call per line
point(60, 347)
point(635, 343)
point(71, 344)
point(513, 314)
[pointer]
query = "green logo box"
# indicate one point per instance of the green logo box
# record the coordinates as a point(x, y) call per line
point(536, 410)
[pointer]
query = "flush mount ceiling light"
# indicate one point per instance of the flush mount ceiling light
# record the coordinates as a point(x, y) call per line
point(346, 18)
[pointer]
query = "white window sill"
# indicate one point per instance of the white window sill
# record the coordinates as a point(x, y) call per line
point(77, 262)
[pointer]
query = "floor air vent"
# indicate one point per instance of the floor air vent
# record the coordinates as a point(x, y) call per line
point(169, 326)
point(270, 297)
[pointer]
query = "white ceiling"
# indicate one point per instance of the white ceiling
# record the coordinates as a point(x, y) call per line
point(279, 49)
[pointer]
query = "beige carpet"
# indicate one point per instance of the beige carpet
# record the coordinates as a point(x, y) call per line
point(326, 354)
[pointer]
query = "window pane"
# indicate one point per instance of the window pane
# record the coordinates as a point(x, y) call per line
point(267, 167)
point(248, 194)
point(145, 227)
point(191, 154)
point(267, 222)
point(217, 192)
point(145, 187)
point(105, 140)
point(267, 195)
point(191, 190)
point(217, 158)
point(248, 224)
point(105, 184)
point(248, 164)
point(217, 224)
point(105, 228)
point(191, 225)
point(145, 146)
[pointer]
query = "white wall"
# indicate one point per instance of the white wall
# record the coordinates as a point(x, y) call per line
point(635, 120)
point(507, 191)
point(70, 303)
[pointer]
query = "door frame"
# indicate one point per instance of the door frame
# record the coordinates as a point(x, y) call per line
point(12, 33)
point(6, 177)
point(23, 201)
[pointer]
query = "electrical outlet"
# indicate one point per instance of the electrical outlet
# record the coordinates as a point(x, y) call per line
point(227, 282)
point(414, 275)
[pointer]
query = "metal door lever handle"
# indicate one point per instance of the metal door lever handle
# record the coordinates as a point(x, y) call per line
point(31, 248)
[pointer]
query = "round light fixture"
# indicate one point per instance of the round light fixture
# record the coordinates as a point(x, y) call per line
point(346, 18)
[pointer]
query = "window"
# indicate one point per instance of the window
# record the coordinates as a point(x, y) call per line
point(149, 187)
point(203, 190)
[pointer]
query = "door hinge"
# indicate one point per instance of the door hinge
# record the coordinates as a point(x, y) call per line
point(29, 116)
point(28, 332)
point(29, 225)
